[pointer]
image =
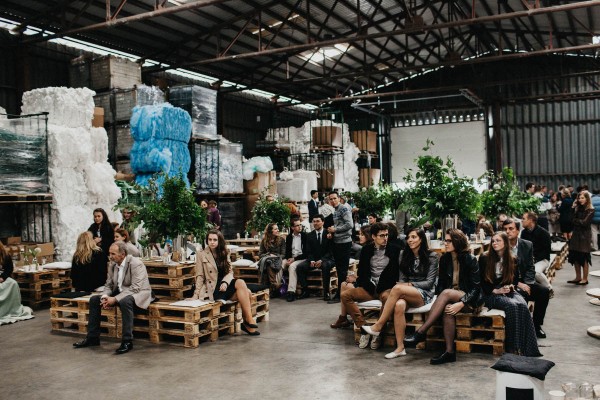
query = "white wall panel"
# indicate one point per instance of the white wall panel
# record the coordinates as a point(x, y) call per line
point(463, 142)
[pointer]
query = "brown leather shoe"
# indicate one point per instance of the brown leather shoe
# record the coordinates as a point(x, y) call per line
point(342, 322)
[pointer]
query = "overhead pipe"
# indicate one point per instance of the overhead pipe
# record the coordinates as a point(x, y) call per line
point(126, 20)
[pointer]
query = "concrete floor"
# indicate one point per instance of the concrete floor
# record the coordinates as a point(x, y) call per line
point(297, 356)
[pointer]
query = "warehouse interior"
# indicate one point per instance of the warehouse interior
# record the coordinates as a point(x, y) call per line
point(496, 83)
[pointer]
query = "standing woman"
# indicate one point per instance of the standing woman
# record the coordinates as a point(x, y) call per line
point(457, 289)
point(272, 248)
point(499, 279)
point(88, 269)
point(580, 246)
point(102, 231)
point(418, 270)
point(554, 214)
point(566, 214)
point(214, 279)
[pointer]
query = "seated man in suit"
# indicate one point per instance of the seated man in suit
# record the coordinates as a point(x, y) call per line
point(523, 250)
point(126, 286)
point(295, 245)
point(318, 256)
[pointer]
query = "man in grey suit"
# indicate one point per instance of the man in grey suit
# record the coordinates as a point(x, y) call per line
point(126, 286)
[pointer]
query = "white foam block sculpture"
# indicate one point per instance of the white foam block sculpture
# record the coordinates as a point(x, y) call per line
point(80, 177)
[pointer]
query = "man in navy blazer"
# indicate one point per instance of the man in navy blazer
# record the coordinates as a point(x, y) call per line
point(523, 249)
point(318, 256)
point(313, 205)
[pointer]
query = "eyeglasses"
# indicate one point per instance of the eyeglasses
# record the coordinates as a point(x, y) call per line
point(448, 240)
point(383, 235)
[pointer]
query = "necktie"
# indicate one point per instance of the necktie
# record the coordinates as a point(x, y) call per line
point(319, 237)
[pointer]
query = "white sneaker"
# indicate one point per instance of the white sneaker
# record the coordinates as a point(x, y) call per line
point(364, 341)
point(375, 342)
point(393, 354)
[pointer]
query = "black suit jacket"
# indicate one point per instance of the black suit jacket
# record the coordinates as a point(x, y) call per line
point(316, 251)
point(469, 280)
point(542, 243)
point(525, 261)
point(288, 246)
point(313, 209)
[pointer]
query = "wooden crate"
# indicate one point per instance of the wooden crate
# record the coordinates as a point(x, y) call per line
point(248, 274)
point(315, 281)
point(327, 137)
point(141, 324)
point(368, 177)
point(37, 288)
point(259, 305)
point(72, 316)
point(163, 292)
point(110, 72)
point(366, 141)
point(413, 322)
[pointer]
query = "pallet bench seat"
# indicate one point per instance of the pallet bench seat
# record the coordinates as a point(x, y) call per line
point(481, 332)
point(161, 323)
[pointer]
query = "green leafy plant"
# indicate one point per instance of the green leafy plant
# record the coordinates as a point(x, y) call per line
point(368, 200)
point(266, 212)
point(435, 190)
point(504, 195)
point(174, 212)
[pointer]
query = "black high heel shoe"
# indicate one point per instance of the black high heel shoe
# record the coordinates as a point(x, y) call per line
point(245, 329)
point(413, 340)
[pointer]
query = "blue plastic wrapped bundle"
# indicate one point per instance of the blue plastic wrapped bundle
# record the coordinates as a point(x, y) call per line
point(161, 121)
point(151, 156)
point(180, 156)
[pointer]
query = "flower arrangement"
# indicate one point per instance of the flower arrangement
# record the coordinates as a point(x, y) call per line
point(33, 252)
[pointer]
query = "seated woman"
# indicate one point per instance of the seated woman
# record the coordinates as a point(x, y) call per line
point(418, 270)
point(123, 236)
point(89, 268)
point(364, 237)
point(499, 279)
point(272, 245)
point(11, 309)
point(457, 290)
point(214, 279)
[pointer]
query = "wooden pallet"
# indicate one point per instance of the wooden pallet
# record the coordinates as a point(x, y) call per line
point(172, 293)
point(248, 274)
point(315, 281)
point(413, 322)
point(159, 281)
point(174, 270)
point(38, 287)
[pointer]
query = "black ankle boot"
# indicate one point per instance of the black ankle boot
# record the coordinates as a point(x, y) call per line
point(413, 340)
point(443, 358)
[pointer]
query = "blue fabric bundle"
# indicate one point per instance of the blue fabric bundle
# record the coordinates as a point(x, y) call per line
point(161, 134)
point(161, 121)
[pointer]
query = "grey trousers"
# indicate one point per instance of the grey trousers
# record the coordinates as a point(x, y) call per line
point(127, 305)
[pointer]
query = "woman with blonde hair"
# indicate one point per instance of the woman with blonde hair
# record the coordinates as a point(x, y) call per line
point(89, 267)
point(580, 246)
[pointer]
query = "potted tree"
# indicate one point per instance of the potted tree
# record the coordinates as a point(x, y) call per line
point(173, 212)
point(504, 195)
point(436, 193)
point(266, 212)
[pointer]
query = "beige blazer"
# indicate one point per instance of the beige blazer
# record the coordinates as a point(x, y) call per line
point(207, 275)
point(135, 282)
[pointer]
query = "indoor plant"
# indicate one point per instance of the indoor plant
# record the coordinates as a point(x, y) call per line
point(266, 212)
point(435, 191)
point(504, 195)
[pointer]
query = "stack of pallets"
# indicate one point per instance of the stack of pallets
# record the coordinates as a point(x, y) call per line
point(72, 316)
point(315, 281)
point(173, 280)
point(259, 305)
point(38, 287)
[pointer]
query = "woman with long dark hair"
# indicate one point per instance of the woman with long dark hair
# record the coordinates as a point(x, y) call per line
point(102, 231)
point(214, 279)
point(272, 245)
point(457, 289)
point(418, 270)
point(580, 246)
point(499, 280)
point(89, 268)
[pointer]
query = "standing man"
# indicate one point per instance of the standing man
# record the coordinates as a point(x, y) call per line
point(341, 232)
point(295, 245)
point(214, 216)
point(126, 286)
point(523, 250)
point(318, 256)
point(542, 247)
point(313, 205)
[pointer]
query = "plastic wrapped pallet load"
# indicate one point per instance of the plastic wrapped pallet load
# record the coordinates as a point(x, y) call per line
point(230, 168)
point(311, 178)
point(294, 189)
point(73, 108)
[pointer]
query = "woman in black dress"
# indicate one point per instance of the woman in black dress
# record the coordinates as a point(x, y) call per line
point(89, 266)
point(458, 289)
point(214, 279)
point(499, 280)
point(102, 231)
point(580, 246)
point(566, 214)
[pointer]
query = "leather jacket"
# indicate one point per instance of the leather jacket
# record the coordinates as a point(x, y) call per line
point(469, 280)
